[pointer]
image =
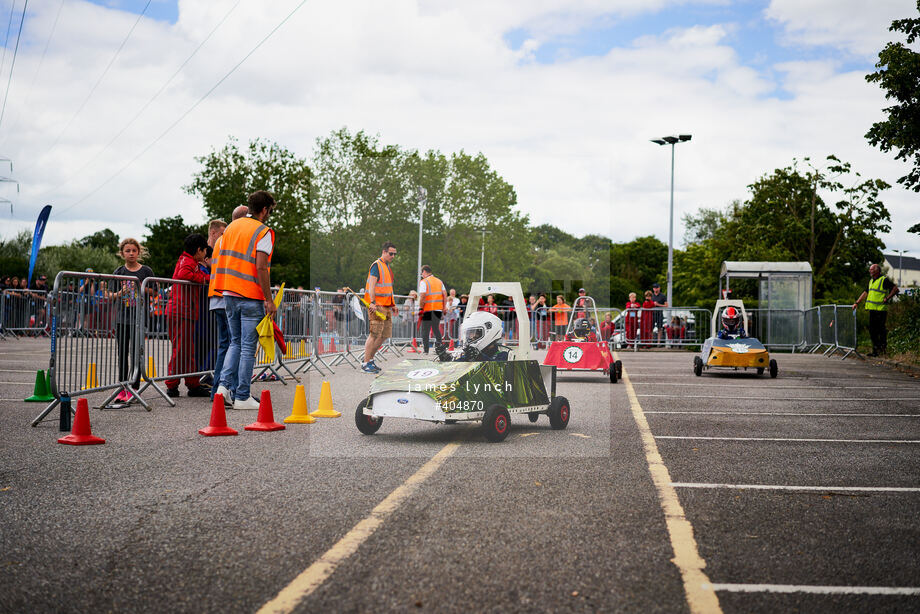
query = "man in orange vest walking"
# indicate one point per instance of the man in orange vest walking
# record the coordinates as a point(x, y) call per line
point(381, 308)
point(431, 299)
point(241, 274)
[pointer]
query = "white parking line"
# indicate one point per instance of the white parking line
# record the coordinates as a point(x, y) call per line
point(827, 489)
point(720, 385)
point(734, 398)
point(787, 439)
point(777, 413)
point(815, 590)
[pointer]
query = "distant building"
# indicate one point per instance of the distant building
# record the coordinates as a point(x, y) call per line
point(904, 271)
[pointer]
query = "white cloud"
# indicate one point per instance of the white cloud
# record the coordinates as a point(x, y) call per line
point(857, 26)
point(572, 137)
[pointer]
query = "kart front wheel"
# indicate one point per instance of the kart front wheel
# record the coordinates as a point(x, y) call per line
point(774, 368)
point(559, 413)
point(697, 366)
point(496, 423)
point(368, 425)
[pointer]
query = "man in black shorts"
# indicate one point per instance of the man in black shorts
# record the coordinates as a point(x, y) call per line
point(661, 300)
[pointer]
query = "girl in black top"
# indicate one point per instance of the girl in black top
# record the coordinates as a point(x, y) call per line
point(127, 302)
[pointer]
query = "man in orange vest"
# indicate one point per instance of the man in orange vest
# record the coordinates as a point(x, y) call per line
point(241, 274)
point(381, 308)
point(431, 300)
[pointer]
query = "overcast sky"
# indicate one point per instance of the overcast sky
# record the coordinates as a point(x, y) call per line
point(562, 96)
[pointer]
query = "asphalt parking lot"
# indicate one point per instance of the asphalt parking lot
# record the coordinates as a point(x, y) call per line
point(666, 493)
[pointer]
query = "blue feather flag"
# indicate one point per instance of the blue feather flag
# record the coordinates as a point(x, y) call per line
point(37, 238)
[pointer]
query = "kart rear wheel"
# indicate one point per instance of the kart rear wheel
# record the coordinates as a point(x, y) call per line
point(496, 423)
point(697, 366)
point(619, 366)
point(368, 425)
point(613, 374)
point(774, 368)
point(559, 413)
point(533, 416)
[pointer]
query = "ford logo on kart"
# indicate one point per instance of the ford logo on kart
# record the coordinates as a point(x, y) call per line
point(402, 401)
point(738, 348)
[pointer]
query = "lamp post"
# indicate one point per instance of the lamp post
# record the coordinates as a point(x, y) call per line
point(482, 260)
point(672, 141)
point(901, 253)
point(421, 194)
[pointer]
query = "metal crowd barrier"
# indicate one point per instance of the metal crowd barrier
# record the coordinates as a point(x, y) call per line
point(104, 360)
point(781, 329)
point(660, 327)
point(24, 313)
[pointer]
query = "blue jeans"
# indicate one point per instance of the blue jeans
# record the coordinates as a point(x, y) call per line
point(223, 344)
point(243, 315)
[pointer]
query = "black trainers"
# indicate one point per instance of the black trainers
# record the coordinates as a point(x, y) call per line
point(198, 391)
point(172, 392)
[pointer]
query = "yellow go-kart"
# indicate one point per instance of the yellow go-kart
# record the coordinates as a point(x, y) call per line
point(733, 351)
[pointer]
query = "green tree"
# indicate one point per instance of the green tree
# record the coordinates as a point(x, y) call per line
point(227, 177)
point(898, 75)
point(104, 239)
point(75, 257)
point(14, 254)
point(164, 241)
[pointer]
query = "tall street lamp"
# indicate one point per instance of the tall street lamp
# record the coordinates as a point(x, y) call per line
point(901, 253)
point(482, 260)
point(672, 141)
point(421, 194)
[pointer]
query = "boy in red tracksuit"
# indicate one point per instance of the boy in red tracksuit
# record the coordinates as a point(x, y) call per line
point(182, 313)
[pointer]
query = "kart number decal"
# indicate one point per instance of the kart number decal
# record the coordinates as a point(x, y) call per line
point(422, 373)
point(738, 348)
point(572, 354)
point(458, 406)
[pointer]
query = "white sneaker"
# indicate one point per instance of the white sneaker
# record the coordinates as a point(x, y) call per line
point(228, 396)
point(249, 403)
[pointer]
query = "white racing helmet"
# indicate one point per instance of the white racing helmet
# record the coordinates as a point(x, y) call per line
point(480, 330)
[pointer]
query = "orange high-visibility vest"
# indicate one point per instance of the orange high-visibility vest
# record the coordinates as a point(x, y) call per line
point(235, 267)
point(434, 294)
point(383, 289)
point(212, 291)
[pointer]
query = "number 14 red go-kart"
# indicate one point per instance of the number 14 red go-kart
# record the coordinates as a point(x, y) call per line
point(581, 349)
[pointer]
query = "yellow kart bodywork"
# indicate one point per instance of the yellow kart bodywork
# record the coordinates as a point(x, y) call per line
point(726, 357)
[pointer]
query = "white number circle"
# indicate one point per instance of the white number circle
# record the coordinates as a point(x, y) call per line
point(572, 354)
point(422, 373)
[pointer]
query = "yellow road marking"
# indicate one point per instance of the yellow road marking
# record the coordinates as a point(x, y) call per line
point(582, 435)
point(698, 589)
point(529, 434)
point(313, 576)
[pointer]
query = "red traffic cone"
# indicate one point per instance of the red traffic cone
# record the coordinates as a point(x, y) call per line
point(218, 425)
point(319, 346)
point(332, 349)
point(414, 347)
point(450, 347)
point(265, 421)
point(81, 435)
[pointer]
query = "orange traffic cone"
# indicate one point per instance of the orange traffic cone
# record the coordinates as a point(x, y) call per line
point(81, 435)
point(324, 409)
point(319, 346)
point(332, 349)
point(218, 425)
point(450, 347)
point(265, 421)
point(300, 413)
point(92, 381)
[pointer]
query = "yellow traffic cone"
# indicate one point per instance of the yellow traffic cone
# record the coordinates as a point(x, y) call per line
point(299, 413)
point(324, 409)
point(151, 367)
point(91, 380)
point(303, 349)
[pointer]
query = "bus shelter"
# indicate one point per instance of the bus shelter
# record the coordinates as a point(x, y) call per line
point(783, 298)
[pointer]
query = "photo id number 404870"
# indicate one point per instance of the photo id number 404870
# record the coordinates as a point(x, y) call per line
point(462, 406)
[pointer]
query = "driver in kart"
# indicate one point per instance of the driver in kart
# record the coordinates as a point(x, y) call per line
point(731, 324)
point(479, 340)
point(582, 331)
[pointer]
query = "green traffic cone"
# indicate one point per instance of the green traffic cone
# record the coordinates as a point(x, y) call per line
point(42, 392)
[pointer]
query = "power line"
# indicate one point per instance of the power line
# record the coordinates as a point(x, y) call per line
point(98, 81)
point(13, 63)
point(41, 62)
point(185, 114)
point(144, 107)
point(6, 41)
